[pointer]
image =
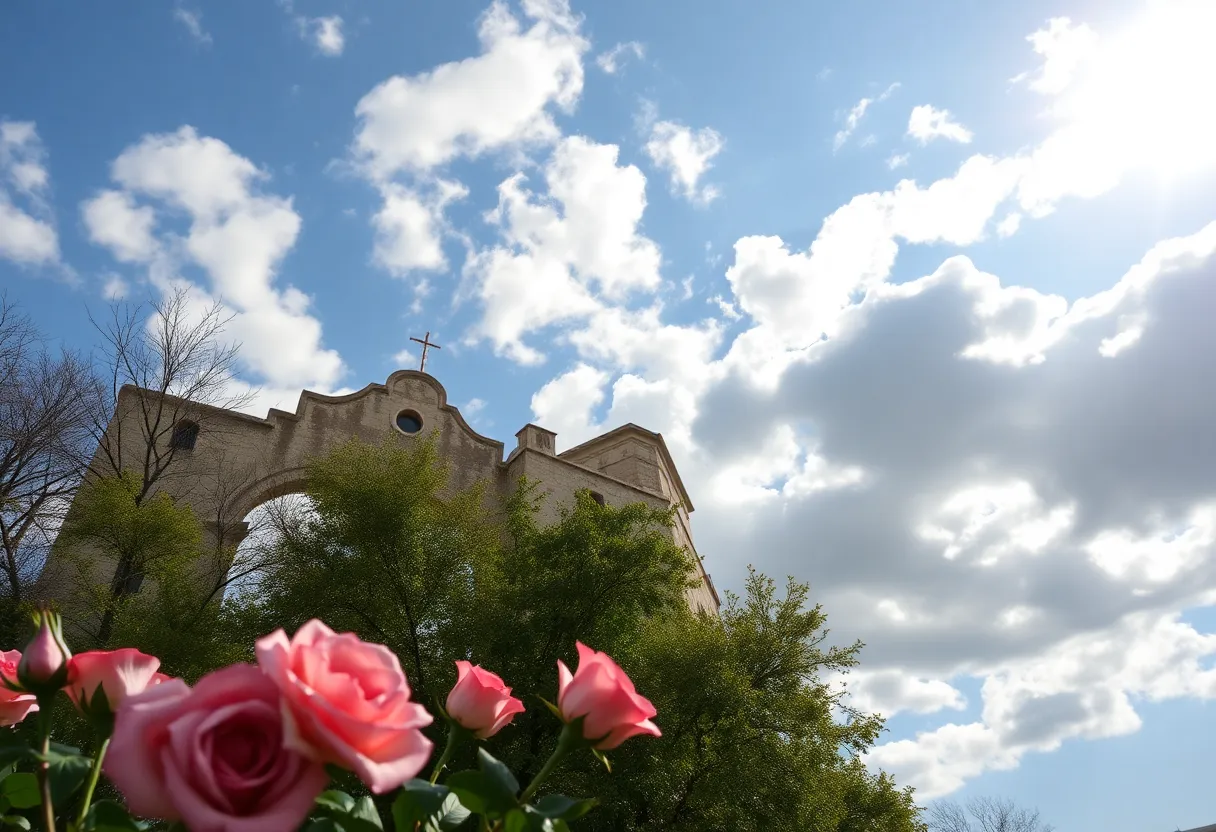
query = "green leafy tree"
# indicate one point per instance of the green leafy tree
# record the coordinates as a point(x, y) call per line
point(174, 616)
point(389, 554)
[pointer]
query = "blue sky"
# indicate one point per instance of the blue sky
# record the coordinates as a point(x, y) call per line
point(918, 293)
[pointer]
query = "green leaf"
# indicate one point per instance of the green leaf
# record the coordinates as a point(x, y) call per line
point(434, 807)
point(553, 709)
point(108, 816)
point(365, 810)
point(21, 790)
point(599, 755)
point(501, 776)
point(68, 769)
point(336, 801)
point(516, 821)
point(349, 814)
point(471, 788)
point(560, 807)
point(15, 821)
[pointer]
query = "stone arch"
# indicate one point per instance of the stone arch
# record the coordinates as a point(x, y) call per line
point(276, 484)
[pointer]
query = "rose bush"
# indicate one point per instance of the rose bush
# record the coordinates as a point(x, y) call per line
point(247, 747)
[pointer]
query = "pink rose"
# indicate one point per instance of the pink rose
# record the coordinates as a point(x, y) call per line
point(212, 757)
point(46, 653)
point(600, 691)
point(347, 702)
point(120, 673)
point(481, 702)
point(14, 706)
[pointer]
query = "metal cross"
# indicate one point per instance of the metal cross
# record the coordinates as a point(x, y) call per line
point(426, 342)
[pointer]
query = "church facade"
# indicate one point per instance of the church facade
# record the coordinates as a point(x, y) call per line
point(228, 463)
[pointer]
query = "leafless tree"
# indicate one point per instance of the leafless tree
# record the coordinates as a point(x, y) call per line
point(174, 364)
point(162, 373)
point(984, 814)
point(44, 442)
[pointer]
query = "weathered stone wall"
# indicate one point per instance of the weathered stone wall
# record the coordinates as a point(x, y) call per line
point(240, 461)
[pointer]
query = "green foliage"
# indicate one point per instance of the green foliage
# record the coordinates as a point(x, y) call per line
point(110, 516)
point(174, 616)
point(388, 555)
point(753, 739)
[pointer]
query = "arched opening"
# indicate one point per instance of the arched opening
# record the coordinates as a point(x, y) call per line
point(185, 434)
point(269, 523)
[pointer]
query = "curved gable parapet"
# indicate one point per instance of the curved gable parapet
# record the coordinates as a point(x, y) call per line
point(441, 404)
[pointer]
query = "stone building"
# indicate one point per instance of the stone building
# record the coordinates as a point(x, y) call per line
point(227, 463)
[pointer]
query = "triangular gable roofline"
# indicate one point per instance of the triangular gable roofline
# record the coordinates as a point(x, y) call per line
point(656, 438)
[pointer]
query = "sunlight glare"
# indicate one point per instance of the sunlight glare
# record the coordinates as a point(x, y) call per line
point(1148, 95)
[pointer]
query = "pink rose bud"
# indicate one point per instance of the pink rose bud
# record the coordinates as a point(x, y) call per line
point(14, 705)
point(348, 703)
point(481, 702)
point(45, 655)
point(120, 673)
point(212, 757)
point(600, 691)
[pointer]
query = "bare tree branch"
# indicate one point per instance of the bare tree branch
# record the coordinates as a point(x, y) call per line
point(162, 373)
point(984, 814)
point(44, 442)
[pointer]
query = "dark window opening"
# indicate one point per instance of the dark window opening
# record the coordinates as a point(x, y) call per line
point(185, 434)
point(409, 422)
point(598, 497)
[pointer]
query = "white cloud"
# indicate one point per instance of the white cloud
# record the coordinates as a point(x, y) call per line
point(113, 220)
point(686, 154)
point(27, 232)
point(494, 100)
point(612, 60)
point(193, 21)
point(1016, 514)
point(928, 123)
point(856, 114)
point(327, 35)
point(640, 340)
point(405, 358)
point(500, 100)
point(551, 261)
point(1083, 688)
point(114, 288)
point(237, 234)
point(1065, 48)
point(409, 224)
point(24, 239)
point(889, 692)
point(897, 160)
point(565, 404)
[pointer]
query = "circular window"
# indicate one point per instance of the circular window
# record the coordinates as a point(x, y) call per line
point(409, 422)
